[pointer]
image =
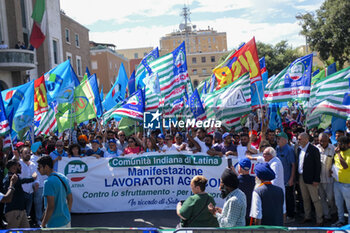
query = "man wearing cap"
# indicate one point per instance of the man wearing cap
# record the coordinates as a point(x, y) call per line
point(254, 139)
point(58, 154)
point(234, 211)
point(160, 141)
point(309, 170)
point(37, 150)
point(112, 150)
point(246, 182)
point(285, 153)
point(95, 150)
point(267, 200)
point(227, 148)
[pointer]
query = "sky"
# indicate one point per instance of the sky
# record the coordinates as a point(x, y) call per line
point(141, 23)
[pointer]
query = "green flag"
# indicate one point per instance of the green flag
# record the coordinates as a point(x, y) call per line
point(38, 11)
point(82, 109)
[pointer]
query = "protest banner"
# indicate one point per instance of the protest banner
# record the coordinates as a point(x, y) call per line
point(151, 181)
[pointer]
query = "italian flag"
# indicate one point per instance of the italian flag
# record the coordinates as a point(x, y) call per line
point(38, 32)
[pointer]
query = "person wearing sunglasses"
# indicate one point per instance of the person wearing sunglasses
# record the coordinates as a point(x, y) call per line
point(133, 147)
point(121, 142)
point(58, 154)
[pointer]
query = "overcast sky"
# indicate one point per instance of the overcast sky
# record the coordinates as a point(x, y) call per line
point(141, 23)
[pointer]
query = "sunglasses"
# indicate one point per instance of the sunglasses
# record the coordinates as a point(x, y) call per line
point(122, 135)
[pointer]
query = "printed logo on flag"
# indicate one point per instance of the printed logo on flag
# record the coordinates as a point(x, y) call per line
point(180, 59)
point(297, 71)
point(75, 169)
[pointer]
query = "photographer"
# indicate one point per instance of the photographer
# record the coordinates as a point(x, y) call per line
point(194, 211)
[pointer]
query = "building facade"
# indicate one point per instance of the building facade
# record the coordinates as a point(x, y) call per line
point(75, 44)
point(204, 48)
point(135, 53)
point(105, 62)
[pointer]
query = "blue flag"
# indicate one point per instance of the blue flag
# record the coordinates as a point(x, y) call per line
point(299, 74)
point(19, 105)
point(257, 93)
point(331, 69)
point(195, 104)
point(275, 120)
point(143, 68)
point(117, 93)
point(139, 80)
point(131, 83)
point(60, 83)
point(101, 94)
point(315, 72)
point(94, 87)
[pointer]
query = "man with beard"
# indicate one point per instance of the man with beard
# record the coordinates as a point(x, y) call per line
point(341, 174)
point(208, 141)
point(58, 154)
point(227, 148)
point(267, 199)
point(82, 141)
point(234, 210)
point(243, 147)
point(28, 168)
point(200, 139)
point(15, 210)
point(37, 150)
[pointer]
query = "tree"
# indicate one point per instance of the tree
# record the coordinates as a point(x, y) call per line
point(277, 57)
point(328, 32)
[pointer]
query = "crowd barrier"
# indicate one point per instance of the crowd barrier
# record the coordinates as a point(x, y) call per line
point(249, 229)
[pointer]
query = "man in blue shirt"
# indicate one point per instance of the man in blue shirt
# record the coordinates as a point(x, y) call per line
point(57, 196)
point(58, 154)
point(286, 154)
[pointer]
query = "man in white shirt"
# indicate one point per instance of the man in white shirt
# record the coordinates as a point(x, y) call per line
point(200, 139)
point(169, 146)
point(325, 188)
point(28, 168)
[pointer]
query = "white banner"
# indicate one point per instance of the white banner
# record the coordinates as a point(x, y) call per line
point(151, 181)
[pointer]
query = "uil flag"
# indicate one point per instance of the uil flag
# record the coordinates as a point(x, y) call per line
point(132, 108)
point(60, 83)
point(4, 123)
point(144, 65)
point(132, 83)
point(44, 116)
point(238, 63)
point(94, 87)
point(117, 93)
point(291, 84)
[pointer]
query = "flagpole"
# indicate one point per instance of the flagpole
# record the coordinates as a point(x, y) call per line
point(70, 126)
point(257, 90)
point(11, 141)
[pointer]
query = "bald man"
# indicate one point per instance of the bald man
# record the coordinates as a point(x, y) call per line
point(325, 188)
point(309, 170)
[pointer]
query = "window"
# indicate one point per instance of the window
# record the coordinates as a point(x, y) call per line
point(77, 43)
point(67, 32)
point(194, 60)
point(213, 39)
point(194, 71)
point(94, 65)
point(79, 70)
point(195, 83)
point(209, 40)
point(68, 56)
point(212, 58)
point(24, 15)
point(55, 51)
point(136, 55)
point(204, 71)
point(203, 59)
point(110, 65)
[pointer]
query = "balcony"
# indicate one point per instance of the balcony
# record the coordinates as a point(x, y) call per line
point(16, 59)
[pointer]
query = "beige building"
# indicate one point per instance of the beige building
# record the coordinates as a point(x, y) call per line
point(316, 60)
point(105, 62)
point(75, 44)
point(135, 53)
point(204, 49)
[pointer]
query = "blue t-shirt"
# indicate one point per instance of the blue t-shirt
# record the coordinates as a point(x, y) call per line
point(54, 154)
point(98, 152)
point(54, 187)
point(287, 157)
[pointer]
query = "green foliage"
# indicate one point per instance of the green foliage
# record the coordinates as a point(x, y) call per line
point(277, 57)
point(328, 32)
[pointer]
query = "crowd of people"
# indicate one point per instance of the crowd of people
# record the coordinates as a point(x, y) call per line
point(296, 169)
